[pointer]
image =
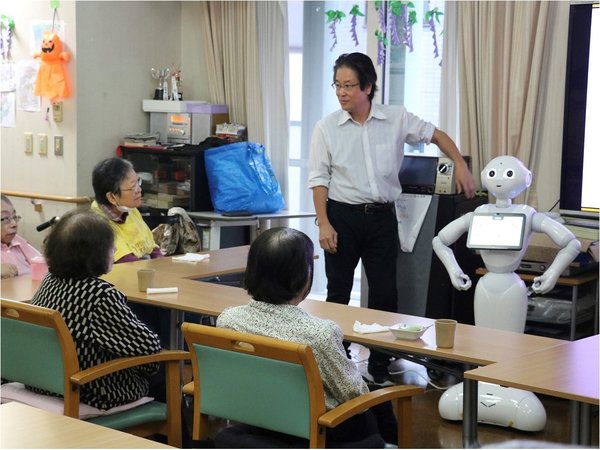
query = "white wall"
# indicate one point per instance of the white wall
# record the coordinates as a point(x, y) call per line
point(113, 46)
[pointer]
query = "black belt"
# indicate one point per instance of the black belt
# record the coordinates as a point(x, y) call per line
point(367, 208)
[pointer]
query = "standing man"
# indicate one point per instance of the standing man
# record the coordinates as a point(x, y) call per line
point(355, 157)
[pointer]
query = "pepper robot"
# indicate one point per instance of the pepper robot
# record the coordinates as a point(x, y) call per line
point(500, 299)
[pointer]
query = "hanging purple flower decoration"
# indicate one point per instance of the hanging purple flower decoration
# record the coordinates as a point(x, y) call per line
point(354, 12)
point(380, 34)
point(333, 18)
point(408, 17)
point(7, 26)
point(394, 14)
point(392, 22)
point(432, 17)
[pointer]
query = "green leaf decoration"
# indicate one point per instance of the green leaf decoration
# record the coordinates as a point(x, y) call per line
point(355, 11)
point(334, 15)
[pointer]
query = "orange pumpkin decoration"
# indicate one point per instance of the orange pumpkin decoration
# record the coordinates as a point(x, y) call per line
point(52, 78)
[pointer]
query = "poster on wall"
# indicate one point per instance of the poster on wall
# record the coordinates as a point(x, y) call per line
point(26, 74)
point(7, 109)
point(7, 76)
point(7, 94)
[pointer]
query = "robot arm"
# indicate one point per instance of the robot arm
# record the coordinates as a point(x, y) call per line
point(570, 248)
point(447, 236)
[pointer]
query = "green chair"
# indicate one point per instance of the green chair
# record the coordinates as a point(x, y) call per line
point(37, 350)
point(274, 385)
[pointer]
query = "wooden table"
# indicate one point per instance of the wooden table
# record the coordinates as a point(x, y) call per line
point(474, 346)
point(569, 371)
point(24, 426)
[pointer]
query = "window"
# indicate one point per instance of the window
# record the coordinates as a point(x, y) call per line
point(412, 79)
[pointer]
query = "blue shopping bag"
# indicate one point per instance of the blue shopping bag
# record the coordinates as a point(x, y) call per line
point(240, 178)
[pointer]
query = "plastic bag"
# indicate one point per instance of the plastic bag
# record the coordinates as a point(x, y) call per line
point(240, 178)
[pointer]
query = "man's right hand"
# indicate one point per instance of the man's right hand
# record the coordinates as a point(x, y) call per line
point(328, 238)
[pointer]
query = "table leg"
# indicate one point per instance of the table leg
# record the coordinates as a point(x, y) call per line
point(215, 236)
point(175, 339)
point(596, 318)
point(585, 429)
point(470, 398)
point(574, 411)
point(574, 298)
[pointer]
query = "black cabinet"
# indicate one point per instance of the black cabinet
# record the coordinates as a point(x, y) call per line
point(171, 177)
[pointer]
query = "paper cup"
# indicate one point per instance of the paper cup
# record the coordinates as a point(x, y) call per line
point(444, 332)
point(145, 279)
point(39, 268)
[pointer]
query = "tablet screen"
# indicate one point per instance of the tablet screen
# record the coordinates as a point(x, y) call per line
point(496, 231)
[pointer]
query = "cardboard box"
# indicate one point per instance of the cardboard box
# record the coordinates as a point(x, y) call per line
point(542, 249)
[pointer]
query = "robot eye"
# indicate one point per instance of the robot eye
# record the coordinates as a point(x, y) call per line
point(491, 173)
point(509, 173)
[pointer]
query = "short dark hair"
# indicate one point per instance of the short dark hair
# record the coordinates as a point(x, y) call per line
point(107, 176)
point(280, 266)
point(362, 65)
point(78, 245)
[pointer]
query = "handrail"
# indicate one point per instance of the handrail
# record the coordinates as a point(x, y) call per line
point(54, 198)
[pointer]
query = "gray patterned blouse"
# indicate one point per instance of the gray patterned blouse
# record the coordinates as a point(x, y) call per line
point(341, 379)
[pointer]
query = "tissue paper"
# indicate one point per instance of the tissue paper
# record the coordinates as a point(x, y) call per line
point(191, 257)
point(166, 290)
point(364, 328)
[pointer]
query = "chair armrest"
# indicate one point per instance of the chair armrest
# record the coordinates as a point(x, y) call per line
point(114, 365)
point(343, 412)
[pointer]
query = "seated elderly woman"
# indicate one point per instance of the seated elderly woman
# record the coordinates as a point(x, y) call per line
point(279, 277)
point(16, 253)
point(118, 193)
point(79, 249)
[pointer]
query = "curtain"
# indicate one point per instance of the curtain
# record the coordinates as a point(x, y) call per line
point(247, 70)
point(449, 105)
point(273, 69)
point(501, 55)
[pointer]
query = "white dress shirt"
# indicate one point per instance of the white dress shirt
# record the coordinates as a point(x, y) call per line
point(360, 163)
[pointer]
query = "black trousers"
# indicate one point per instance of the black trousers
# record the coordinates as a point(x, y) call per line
point(372, 238)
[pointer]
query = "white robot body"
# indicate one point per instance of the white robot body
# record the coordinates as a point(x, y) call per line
point(498, 405)
point(501, 302)
point(500, 299)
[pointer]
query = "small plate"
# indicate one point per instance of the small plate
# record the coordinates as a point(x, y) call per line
point(408, 331)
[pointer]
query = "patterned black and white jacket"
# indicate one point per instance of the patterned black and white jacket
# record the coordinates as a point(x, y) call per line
point(103, 328)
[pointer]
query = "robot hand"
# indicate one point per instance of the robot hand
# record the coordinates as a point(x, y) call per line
point(460, 280)
point(544, 283)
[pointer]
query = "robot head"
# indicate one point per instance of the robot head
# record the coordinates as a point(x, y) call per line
point(505, 177)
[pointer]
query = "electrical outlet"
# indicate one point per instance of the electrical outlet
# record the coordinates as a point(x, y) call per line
point(58, 145)
point(29, 143)
point(57, 111)
point(43, 141)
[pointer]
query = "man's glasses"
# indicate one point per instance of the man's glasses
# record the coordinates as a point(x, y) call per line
point(346, 87)
point(6, 220)
point(135, 187)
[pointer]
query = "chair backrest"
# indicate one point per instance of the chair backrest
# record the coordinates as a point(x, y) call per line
point(37, 348)
point(256, 380)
